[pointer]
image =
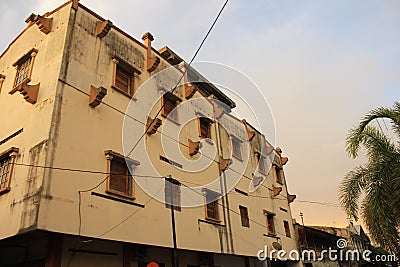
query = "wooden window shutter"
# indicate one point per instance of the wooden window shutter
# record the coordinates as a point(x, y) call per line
point(119, 176)
point(123, 79)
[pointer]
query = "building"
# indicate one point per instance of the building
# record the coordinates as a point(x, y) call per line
point(317, 241)
point(67, 196)
point(350, 239)
point(356, 238)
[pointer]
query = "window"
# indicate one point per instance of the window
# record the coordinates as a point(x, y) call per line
point(278, 172)
point(236, 148)
point(205, 127)
point(260, 161)
point(172, 194)
point(244, 216)
point(170, 102)
point(212, 210)
point(24, 69)
point(2, 78)
point(7, 159)
point(270, 222)
point(287, 229)
point(125, 77)
point(120, 181)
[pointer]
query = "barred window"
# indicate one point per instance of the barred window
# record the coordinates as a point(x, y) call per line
point(170, 103)
point(287, 228)
point(236, 148)
point(244, 216)
point(120, 180)
point(7, 160)
point(212, 209)
point(260, 161)
point(124, 76)
point(270, 223)
point(205, 127)
point(24, 69)
point(172, 194)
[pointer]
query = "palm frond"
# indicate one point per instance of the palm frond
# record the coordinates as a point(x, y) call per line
point(350, 190)
point(354, 139)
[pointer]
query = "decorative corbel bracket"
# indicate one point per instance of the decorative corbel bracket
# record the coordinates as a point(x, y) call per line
point(2, 78)
point(223, 163)
point(103, 28)
point(30, 92)
point(190, 89)
point(44, 24)
point(96, 95)
point(250, 133)
point(194, 147)
point(152, 125)
point(276, 190)
point(152, 63)
point(291, 198)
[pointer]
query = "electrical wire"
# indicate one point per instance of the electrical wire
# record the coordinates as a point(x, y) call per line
point(148, 127)
point(81, 170)
point(86, 242)
point(151, 198)
point(162, 177)
point(169, 137)
point(184, 73)
point(235, 212)
point(328, 204)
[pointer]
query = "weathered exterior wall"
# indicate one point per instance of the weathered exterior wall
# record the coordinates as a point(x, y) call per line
point(79, 135)
point(246, 240)
point(20, 206)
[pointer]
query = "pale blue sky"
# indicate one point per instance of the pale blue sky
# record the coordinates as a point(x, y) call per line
point(320, 64)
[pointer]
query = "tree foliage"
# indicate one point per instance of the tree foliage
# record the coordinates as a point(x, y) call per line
point(378, 180)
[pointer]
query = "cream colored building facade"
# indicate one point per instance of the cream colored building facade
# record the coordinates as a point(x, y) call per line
point(66, 85)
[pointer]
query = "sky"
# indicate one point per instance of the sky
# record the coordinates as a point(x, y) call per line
point(321, 65)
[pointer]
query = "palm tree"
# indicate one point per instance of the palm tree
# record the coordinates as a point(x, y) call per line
point(378, 180)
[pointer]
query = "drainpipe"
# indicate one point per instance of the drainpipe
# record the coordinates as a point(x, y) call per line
point(223, 184)
point(175, 260)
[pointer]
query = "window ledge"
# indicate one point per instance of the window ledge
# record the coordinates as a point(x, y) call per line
point(19, 86)
point(272, 235)
point(116, 193)
point(123, 92)
point(118, 199)
point(5, 190)
point(213, 220)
